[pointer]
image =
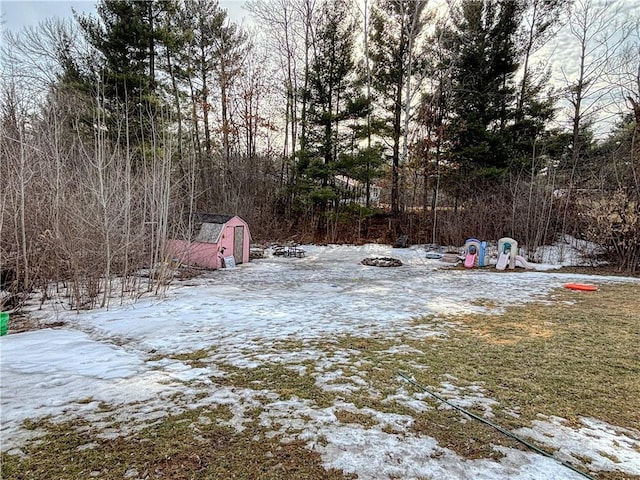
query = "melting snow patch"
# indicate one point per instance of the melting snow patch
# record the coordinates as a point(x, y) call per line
point(374, 454)
point(415, 402)
point(609, 448)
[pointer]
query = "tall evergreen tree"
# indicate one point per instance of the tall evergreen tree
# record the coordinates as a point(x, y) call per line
point(330, 78)
point(329, 105)
point(485, 62)
point(125, 36)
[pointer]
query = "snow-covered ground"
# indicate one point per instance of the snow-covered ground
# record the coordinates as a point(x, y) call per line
point(121, 357)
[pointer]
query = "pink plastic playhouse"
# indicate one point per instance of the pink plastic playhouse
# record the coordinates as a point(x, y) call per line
point(219, 241)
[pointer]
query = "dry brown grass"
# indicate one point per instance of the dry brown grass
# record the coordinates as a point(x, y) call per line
point(576, 357)
point(181, 447)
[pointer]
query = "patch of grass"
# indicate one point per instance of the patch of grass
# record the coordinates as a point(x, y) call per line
point(104, 407)
point(345, 416)
point(467, 438)
point(276, 378)
point(180, 447)
point(583, 458)
point(29, 424)
point(193, 359)
point(484, 302)
point(283, 345)
point(611, 457)
point(371, 344)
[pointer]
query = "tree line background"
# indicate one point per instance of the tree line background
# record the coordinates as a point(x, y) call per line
point(322, 120)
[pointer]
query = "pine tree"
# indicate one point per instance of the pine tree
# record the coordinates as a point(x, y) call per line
point(330, 91)
point(125, 37)
point(485, 62)
point(330, 78)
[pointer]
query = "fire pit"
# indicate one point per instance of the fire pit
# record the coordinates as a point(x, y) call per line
point(381, 262)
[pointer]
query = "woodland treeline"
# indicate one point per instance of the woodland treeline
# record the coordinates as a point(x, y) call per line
point(319, 120)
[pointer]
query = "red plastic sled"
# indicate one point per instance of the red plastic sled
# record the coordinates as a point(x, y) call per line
point(581, 286)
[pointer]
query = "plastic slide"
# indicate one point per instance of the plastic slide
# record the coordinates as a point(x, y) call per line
point(522, 263)
point(509, 246)
point(483, 252)
point(470, 259)
point(503, 260)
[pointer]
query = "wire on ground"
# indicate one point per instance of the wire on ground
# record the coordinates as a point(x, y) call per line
point(493, 425)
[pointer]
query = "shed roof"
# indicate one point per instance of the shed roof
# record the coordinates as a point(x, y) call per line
point(210, 232)
point(211, 218)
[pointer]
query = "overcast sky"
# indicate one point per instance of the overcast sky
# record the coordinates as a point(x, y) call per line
point(17, 14)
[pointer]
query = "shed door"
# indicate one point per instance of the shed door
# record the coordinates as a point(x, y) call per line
point(238, 243)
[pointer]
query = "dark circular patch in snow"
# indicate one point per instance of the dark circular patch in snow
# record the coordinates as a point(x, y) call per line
point(381, 262)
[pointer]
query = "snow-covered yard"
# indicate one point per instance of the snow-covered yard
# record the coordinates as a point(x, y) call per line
point(125, 357)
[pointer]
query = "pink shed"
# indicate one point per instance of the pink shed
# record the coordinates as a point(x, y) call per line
point(216, 237)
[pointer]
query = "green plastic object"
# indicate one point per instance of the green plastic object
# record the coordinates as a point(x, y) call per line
point(4, 323)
